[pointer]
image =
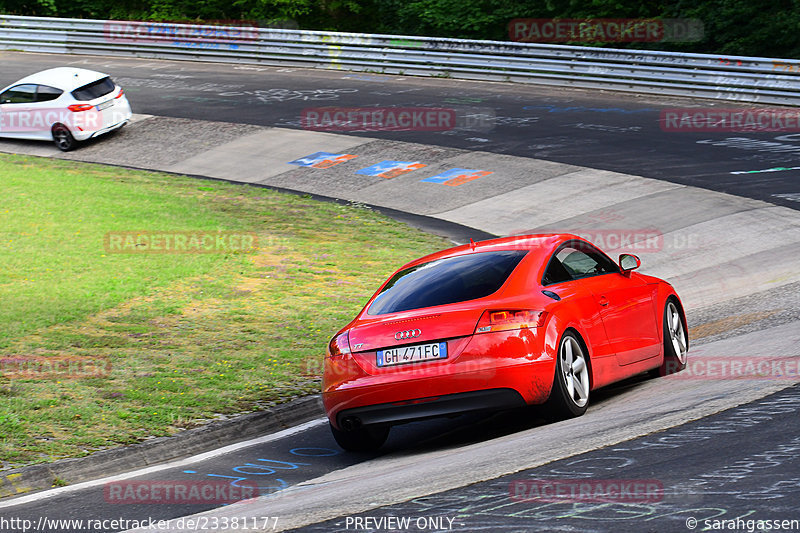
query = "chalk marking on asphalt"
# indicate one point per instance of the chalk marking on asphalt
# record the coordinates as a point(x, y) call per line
point(21, 500)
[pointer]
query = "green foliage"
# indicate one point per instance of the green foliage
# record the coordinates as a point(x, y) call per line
point(478, 19)
point(732, 27)
point(742, 27)
point(42, 8)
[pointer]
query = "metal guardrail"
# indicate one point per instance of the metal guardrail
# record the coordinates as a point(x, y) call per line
point(735, 78)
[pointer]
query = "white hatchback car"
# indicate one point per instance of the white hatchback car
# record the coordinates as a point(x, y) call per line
point(63, 104)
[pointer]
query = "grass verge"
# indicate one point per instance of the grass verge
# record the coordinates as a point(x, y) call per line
point(187, 337)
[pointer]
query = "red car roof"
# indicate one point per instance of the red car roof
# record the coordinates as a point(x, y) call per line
point(542, 244)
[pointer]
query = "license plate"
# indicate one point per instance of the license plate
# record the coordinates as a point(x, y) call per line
point(412, 354)
point(105, 105)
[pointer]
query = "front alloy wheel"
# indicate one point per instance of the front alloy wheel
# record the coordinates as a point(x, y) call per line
point(676, 342)
point(63, 138)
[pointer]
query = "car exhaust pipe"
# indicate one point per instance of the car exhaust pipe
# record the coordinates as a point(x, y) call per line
point(351, 423)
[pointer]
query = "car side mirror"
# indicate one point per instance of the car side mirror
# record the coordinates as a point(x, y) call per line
point(628, 262)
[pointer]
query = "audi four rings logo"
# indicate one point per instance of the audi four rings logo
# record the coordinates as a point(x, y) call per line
point(407, 334)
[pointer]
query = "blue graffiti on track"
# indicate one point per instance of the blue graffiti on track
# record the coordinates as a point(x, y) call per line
point(266, 470)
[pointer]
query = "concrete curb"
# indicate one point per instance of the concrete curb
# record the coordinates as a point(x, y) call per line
point(162, 449)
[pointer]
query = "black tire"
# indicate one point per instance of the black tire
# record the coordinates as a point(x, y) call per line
point(364, 439)
point(569, 400)
point(676, 340)
point(63, 138)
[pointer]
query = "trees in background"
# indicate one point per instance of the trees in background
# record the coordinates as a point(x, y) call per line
point(732, 27)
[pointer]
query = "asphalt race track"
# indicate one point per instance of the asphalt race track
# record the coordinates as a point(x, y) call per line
point(701, 471)
point(593, 129)
point(718, 448)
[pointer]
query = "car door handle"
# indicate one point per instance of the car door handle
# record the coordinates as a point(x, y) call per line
point(603, 301)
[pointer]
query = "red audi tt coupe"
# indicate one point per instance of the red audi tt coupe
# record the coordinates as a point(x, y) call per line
point(536, 319)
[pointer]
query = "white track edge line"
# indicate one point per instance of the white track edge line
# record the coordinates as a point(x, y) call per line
point(155, 468)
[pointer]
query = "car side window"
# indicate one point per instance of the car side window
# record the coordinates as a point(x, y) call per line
point(579, 264)
point(556, 273)
point(575, 261)
point(45, 93)
point(21, 94)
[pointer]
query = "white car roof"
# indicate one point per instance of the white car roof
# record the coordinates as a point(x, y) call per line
point(64, 78)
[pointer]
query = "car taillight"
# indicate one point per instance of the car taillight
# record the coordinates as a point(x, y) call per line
point(75, 108)
point(121, 92)
point(505, 320)
point(339, 345)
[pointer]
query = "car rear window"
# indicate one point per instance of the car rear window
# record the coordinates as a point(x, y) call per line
point(447, 281)
point(93, 90)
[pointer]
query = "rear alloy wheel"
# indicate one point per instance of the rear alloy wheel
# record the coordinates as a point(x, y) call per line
point(363, 439)
point(63, 138)
point(676, 342)
point(570, 395)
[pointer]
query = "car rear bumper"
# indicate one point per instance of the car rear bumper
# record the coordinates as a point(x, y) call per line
point(85, 135)
point(112, 119)
point(388, 400)
point(436, 406)
point(107, 129)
